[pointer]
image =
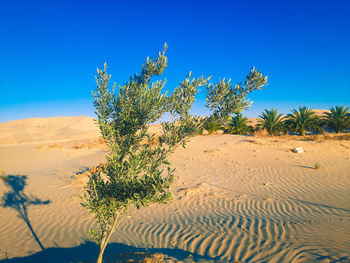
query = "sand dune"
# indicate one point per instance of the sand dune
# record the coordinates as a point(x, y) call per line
point(236, 198)
point(47, 129)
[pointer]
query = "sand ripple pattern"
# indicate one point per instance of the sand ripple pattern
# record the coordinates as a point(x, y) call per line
point(247, 230)
point(235, 199)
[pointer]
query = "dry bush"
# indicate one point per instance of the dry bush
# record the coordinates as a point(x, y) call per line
point(254, 142)
point(339, 137)
point(41, 147)
point(50, 146)
point(317, 166)
point(211, 151)
point(260, 133)
point(140, 257)
point(327, 136)
point(317, 137)
point(92, 144)
point(55, 146)
point(155, 258)
point(82, 176)
point(77, 146)
point(100, 167)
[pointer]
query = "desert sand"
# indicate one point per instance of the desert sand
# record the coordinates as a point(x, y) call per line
point(239, 198)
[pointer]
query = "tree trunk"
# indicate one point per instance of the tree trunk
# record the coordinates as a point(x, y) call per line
point(100, 256)
point(105, 240)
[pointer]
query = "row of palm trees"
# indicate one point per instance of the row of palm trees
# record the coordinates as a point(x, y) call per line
point(298, 121)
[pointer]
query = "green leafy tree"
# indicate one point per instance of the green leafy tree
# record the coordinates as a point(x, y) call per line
point(338, 119)
point(303, 120)
point(239, 125)
point(271, 121)
point(223, 99)
point(137, 172)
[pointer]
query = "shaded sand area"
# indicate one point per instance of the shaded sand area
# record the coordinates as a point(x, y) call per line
point(236, 198)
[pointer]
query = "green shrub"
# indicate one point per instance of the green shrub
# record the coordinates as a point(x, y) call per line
point(317, 166)
point(239, 125)
point(271, 121)
point(137, 172)
point(303, 120)
point(223, 99)
point(338, 119)
point(212, 126)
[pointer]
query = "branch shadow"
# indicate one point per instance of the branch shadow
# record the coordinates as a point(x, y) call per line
point(16, 199)
point(115, 252)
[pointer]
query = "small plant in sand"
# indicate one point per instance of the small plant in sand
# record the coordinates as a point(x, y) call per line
point(271, 121)
point(239, 125)
point(137, 172)
point(223, 99)
point(338, 119)
point(317, 166)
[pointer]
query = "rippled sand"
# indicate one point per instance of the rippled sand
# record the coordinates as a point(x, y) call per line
point(236, 198)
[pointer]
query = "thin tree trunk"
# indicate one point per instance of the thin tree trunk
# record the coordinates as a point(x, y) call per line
point(105, 240)
point(99, 259)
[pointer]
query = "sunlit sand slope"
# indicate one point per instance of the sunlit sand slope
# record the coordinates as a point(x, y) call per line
point(47, 129)
point(236, 198)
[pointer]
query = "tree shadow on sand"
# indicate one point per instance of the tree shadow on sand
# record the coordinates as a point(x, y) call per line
point(19, 201)
point(115, 252)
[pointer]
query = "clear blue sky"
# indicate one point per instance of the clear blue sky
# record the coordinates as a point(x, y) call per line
point(49, 50)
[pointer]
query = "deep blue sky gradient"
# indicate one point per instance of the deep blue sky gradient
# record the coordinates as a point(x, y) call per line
point(49, 50)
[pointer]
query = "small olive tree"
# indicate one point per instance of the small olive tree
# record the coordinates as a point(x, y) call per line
point(223, 99)
point(137, 172)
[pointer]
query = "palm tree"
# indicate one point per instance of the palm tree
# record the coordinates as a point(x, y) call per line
point(239, 125)
point(271, 121)
point(303, 120)
point(211, 126)
point(338, 119)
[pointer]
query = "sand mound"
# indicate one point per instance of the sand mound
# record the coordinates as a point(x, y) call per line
point(48, 129)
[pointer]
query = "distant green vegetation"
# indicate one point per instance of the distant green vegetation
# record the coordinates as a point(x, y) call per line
point(211, 125)
point(271, 121)
point(238, 124)
point(302, 121)
point(338, 119)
